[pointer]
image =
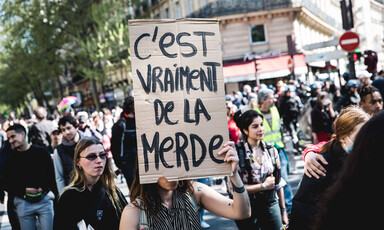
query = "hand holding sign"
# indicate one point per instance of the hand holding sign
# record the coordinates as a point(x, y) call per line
point(230, 154)
point(179, 99)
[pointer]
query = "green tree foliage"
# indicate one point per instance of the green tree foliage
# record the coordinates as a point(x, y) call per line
point(41, 38)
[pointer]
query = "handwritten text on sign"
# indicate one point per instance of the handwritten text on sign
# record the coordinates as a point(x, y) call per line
point(179, 98)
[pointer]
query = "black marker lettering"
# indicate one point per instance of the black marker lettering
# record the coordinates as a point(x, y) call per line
point(213, 67)
point(163, 46)
point(203, 34)
point(156, 104)
point(153, 148)
point(137, 44)
point(165, 149)
point(193, 47)
point(187, 118)
point(194, 74)
point(156, 74)
point(180, 150)
point(155, 34)
point(213, 147)
point(200, 108)
point(168, 80)
point(205, 80)
point(146, 87)
point(194, 138)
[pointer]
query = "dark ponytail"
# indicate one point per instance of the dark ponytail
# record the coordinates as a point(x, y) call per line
point(236, 118)
point(244, 120)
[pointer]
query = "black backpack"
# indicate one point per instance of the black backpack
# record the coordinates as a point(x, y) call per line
point(128, 131)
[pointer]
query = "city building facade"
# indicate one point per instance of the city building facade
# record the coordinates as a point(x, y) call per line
point(279, 34)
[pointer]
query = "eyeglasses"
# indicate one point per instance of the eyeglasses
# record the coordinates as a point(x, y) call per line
point(92, 157)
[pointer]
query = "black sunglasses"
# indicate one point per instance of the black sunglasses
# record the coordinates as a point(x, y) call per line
point(92, 157)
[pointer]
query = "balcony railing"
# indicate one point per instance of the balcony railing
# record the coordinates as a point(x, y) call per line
point(228, 7)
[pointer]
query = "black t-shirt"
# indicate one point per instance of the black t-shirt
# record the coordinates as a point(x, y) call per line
point(32, 168)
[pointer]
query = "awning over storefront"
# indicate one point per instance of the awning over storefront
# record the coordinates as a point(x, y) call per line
point(267, 68)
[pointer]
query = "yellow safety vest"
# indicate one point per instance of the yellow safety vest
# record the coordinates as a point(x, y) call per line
point(272, 134)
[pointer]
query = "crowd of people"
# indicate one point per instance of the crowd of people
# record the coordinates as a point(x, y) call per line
point(65, 166)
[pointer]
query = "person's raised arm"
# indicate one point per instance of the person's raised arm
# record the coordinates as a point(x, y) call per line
point(130, 218)
point(208, 198)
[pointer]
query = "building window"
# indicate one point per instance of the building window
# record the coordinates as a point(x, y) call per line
point(177, 10)
point(258, 34)
point(166, 13)
point(190, 7)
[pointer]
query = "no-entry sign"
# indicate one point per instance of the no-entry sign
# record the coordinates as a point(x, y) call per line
point(349, 41)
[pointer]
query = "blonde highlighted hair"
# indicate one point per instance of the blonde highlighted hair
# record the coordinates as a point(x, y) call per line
point(107, 178)
point(345, 124)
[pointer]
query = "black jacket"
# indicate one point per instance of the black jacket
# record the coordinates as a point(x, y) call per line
point(4, 155)
point(66, 153)
point(289, 109)
point(75, 205)
point(129, 144)
point(322, 121)
point(311, 189)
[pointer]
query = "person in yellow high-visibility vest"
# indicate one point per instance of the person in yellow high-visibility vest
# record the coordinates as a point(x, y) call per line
point(273, 136)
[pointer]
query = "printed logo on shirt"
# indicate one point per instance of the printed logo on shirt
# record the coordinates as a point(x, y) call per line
point(99, 214)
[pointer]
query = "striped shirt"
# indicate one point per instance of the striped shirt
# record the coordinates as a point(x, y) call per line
point(184, 214)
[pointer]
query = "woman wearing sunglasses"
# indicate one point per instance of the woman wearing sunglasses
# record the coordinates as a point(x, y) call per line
point(92, 195)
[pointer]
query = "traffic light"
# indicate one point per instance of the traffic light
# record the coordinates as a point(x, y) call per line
point(347, 14)
point(357, 55)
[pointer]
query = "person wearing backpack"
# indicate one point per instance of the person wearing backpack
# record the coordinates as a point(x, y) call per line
point(259, 168)
point(123, 141)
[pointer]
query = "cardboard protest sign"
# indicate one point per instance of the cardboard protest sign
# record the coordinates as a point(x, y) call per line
point(179, 98)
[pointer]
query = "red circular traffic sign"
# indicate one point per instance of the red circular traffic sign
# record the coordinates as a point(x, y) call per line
point(349, 41)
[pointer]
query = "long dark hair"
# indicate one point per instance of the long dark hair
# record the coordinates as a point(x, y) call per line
point(244, 120)
point(355, 186)
point(149, 195)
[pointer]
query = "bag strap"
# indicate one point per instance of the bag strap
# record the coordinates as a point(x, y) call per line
point(276, 170)
point(241, 151)
point(125, 130)
point(272, 153)
point(143, 216)
point(243, 163)
point(122, 139)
